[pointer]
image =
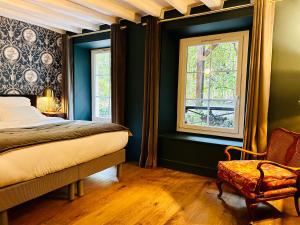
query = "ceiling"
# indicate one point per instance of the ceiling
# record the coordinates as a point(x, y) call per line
point(76, 15)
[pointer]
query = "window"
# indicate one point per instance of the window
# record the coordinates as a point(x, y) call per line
point(212, 83)
point(101, 85)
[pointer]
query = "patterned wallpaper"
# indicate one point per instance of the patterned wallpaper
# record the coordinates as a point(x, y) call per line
point(30, 58)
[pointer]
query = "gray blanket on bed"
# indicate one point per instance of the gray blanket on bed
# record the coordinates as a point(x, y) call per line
point(22, 137)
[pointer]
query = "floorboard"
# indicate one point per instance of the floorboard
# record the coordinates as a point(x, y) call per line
point(149, 197)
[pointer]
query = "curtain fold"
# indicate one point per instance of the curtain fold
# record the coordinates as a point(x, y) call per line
point(118, 71)
point(67, 86)
point(255, 136)
point(148, 157)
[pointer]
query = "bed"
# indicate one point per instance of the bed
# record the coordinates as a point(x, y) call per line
point(33, 170)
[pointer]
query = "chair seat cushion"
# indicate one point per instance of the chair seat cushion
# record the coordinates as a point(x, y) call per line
point(243, 174)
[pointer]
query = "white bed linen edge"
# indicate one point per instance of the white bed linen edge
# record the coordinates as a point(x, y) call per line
point(35, 161)
point(28, 123)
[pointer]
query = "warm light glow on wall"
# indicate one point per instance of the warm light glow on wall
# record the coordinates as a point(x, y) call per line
point(46, 104)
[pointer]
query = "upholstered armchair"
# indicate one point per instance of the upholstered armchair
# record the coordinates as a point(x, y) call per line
point(274, 175)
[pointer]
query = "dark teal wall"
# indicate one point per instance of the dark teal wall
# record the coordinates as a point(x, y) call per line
point(134, 87)
point(82, 84)
point(197, 154)
point(189, 152)
point(192, 153)
point(82, 72)
point(134, 80)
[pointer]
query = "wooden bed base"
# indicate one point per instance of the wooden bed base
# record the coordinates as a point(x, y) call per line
point(22, 192)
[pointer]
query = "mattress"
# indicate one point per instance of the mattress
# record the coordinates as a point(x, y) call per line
point(35, 161)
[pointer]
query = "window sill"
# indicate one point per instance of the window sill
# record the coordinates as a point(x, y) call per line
point(203, 139)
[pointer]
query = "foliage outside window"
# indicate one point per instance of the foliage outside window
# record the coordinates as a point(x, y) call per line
point(101, 85)
point(212, 83)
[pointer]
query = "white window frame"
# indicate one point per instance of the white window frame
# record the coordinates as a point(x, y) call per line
point(237, 132)
point(93, 73)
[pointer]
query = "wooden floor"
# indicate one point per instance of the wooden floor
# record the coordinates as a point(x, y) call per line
point(150, 197)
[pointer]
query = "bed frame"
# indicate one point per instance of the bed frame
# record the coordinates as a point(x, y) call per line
point(72, 177)
point(22, 192)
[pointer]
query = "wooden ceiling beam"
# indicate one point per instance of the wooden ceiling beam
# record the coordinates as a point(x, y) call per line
point(181, 5)
point(72, 9)
point(214, 4)
point(28, 8)
point(12, 14)
point(150, 7)
point(110, 7)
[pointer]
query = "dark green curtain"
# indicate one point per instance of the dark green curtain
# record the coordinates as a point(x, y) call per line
point(118, 71)
point(148, 157)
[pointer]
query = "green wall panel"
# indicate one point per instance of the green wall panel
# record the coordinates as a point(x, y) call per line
point(284, 110)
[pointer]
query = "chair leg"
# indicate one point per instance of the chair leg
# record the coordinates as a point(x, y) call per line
point(251, 206)
point(296, 201)
point(3, 218)
point(219, 185)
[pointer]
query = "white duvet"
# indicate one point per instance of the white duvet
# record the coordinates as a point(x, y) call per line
point(33, 122)
point(35, 161)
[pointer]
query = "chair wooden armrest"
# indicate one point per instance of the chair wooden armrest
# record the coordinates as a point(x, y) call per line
point(262, 174)
point(229, 148)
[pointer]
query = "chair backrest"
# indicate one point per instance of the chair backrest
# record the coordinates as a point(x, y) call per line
point(284, 147)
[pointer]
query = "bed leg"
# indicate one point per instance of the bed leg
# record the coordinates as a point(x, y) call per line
point(3, 218)
point(119, 171)
point(80, 188)
point(71, 191)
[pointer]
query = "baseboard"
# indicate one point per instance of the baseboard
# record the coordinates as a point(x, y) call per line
point(187, 167)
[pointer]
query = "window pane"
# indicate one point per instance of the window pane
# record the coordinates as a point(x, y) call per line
point(191, 83)
point(222, 113)
point(192, 60)
point(102, 60)
point(223, 85)
point(102, 86)
point(104, 107)
point(211, 85)
point(224, 56)
point(196, 112)
point(97, 107)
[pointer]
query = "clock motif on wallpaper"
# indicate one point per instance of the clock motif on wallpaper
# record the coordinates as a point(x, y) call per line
point(59, 78)
point(29, 35)
point(47, 59)
point(59, 42)
point(30, 76)
point(12, 92)
point(30, 58)
point(11, 54)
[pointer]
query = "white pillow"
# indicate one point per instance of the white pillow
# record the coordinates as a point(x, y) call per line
point(22, 113)
point(14, 101)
